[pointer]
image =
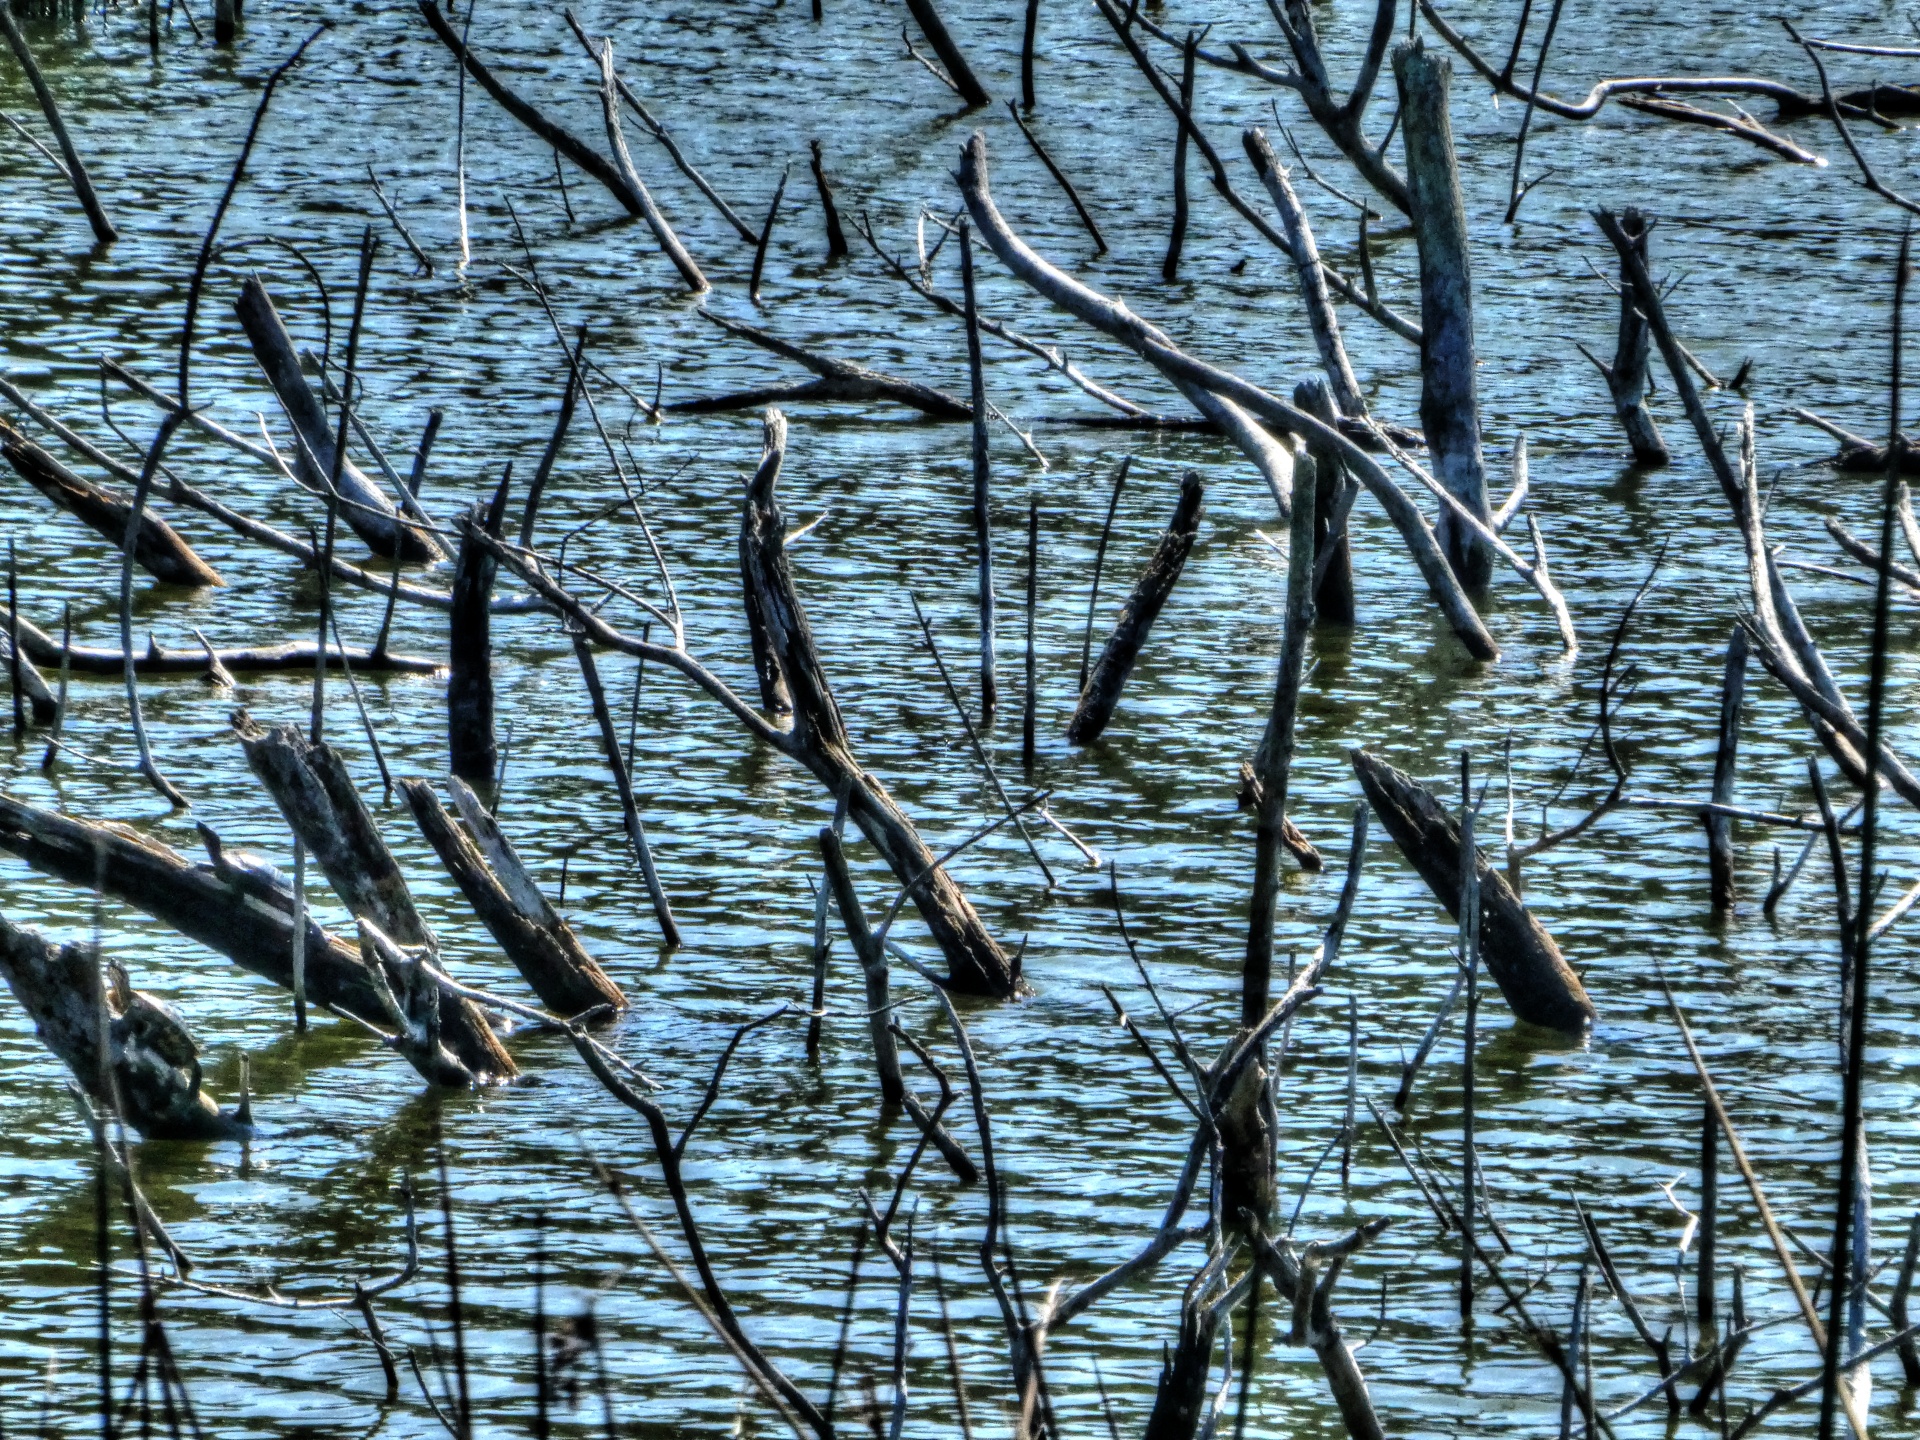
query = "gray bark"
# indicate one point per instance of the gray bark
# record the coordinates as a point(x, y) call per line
point(1449, 403)
point(1627, 377)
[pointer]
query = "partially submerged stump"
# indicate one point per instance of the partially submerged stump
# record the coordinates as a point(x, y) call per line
point(1143, 607)
point(311, 786)
point(470, 742)
point(539, 942)
point(1539, 985)
point(157, 548)
point(251, 924)
point(363, 505)
point(155, 1064)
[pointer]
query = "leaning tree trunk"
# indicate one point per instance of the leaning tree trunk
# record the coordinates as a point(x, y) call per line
point(363, 505)
point(1539, 985)
point(157, 546)
point(253, 932)
point(1449, 403)
point(1143, 607)
point(976, 964)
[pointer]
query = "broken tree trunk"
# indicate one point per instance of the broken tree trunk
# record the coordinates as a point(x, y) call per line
point(1627, 377)
point(470, 742)
point(1539, 985)
point(1150, 592)
point(976, 964)
point(251, 928)
point(154, 1079)
point(1333, 601)
point(311, 786)
point(959, 72)
point(157, 548)
point(541, 945)
point(363, 505)
point(1449, 402)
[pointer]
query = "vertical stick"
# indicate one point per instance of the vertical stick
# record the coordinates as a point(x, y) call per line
point(1719, 827)
point(1470, 953)
point(299, 936)
point(1704, 1297)
point(48, 760)
point(1099, 560)
point(460, 137)
point(982, 521)
point(13, 645)
point(766, 235)
point(820, 944)
point(836, 237)
point(1518, 192)
point(1897, 1310)
point(562, 423)
point(1353, 1089)
point(316, 728)
point(223, 17)
point(1170, 267)
point(1853, 1133)
point(1576, 1332)
point(630, 811)
point(1026, 53)
point(1029, 704)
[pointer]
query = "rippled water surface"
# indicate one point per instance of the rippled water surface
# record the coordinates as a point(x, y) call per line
point(1788, 265)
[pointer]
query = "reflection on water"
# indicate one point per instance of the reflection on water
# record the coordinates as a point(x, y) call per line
point(1787, 265)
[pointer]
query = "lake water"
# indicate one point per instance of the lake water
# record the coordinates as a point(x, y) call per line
point(1789, 265)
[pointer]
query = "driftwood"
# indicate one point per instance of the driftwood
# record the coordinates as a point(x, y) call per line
point(242, 914)
point(157, 547)
point(1520, 955)
point(840, 380)
point(1449, 403)
point(541, 945)
point(310, 784)
point(1627, 378)
point(43, 649)
point(470, 651)
point(1102, 691)
point(151, 1077)
point(363, 505)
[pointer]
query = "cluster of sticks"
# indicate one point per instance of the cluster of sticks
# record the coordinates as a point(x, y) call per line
point(137, 1068)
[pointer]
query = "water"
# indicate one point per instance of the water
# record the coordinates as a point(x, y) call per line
point(1789, 265)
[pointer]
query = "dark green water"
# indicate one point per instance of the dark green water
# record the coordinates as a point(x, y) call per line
point(1788, 265)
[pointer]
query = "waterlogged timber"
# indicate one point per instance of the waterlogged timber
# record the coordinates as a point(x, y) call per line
point(783, 1026)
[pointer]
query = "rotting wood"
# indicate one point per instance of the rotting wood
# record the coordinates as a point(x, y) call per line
point(310, 785)
point(539, 942)
point(248, 918)
point(158, 549)
point(1101, 694)
point(1449, 402)
point(1539, 985)
point(363, 505)
point(151, 1073)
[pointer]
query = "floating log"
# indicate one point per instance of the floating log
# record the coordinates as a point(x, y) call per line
point(41, 648)
point(1150, 592)
point(503, 894)
point(363, 505)
point(231, 916)
point(157, 547)
point(311, 786)
point(1539, 985)
point(155, 1064)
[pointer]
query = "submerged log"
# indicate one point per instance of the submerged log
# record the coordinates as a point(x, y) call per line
point(1150, 592)
point(155, 1063)
point(311, 786)
point(157, 547)
point(41, 648)
point(1539, 985)
point(363, 505)
point(245, 916)
point(541, 945)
